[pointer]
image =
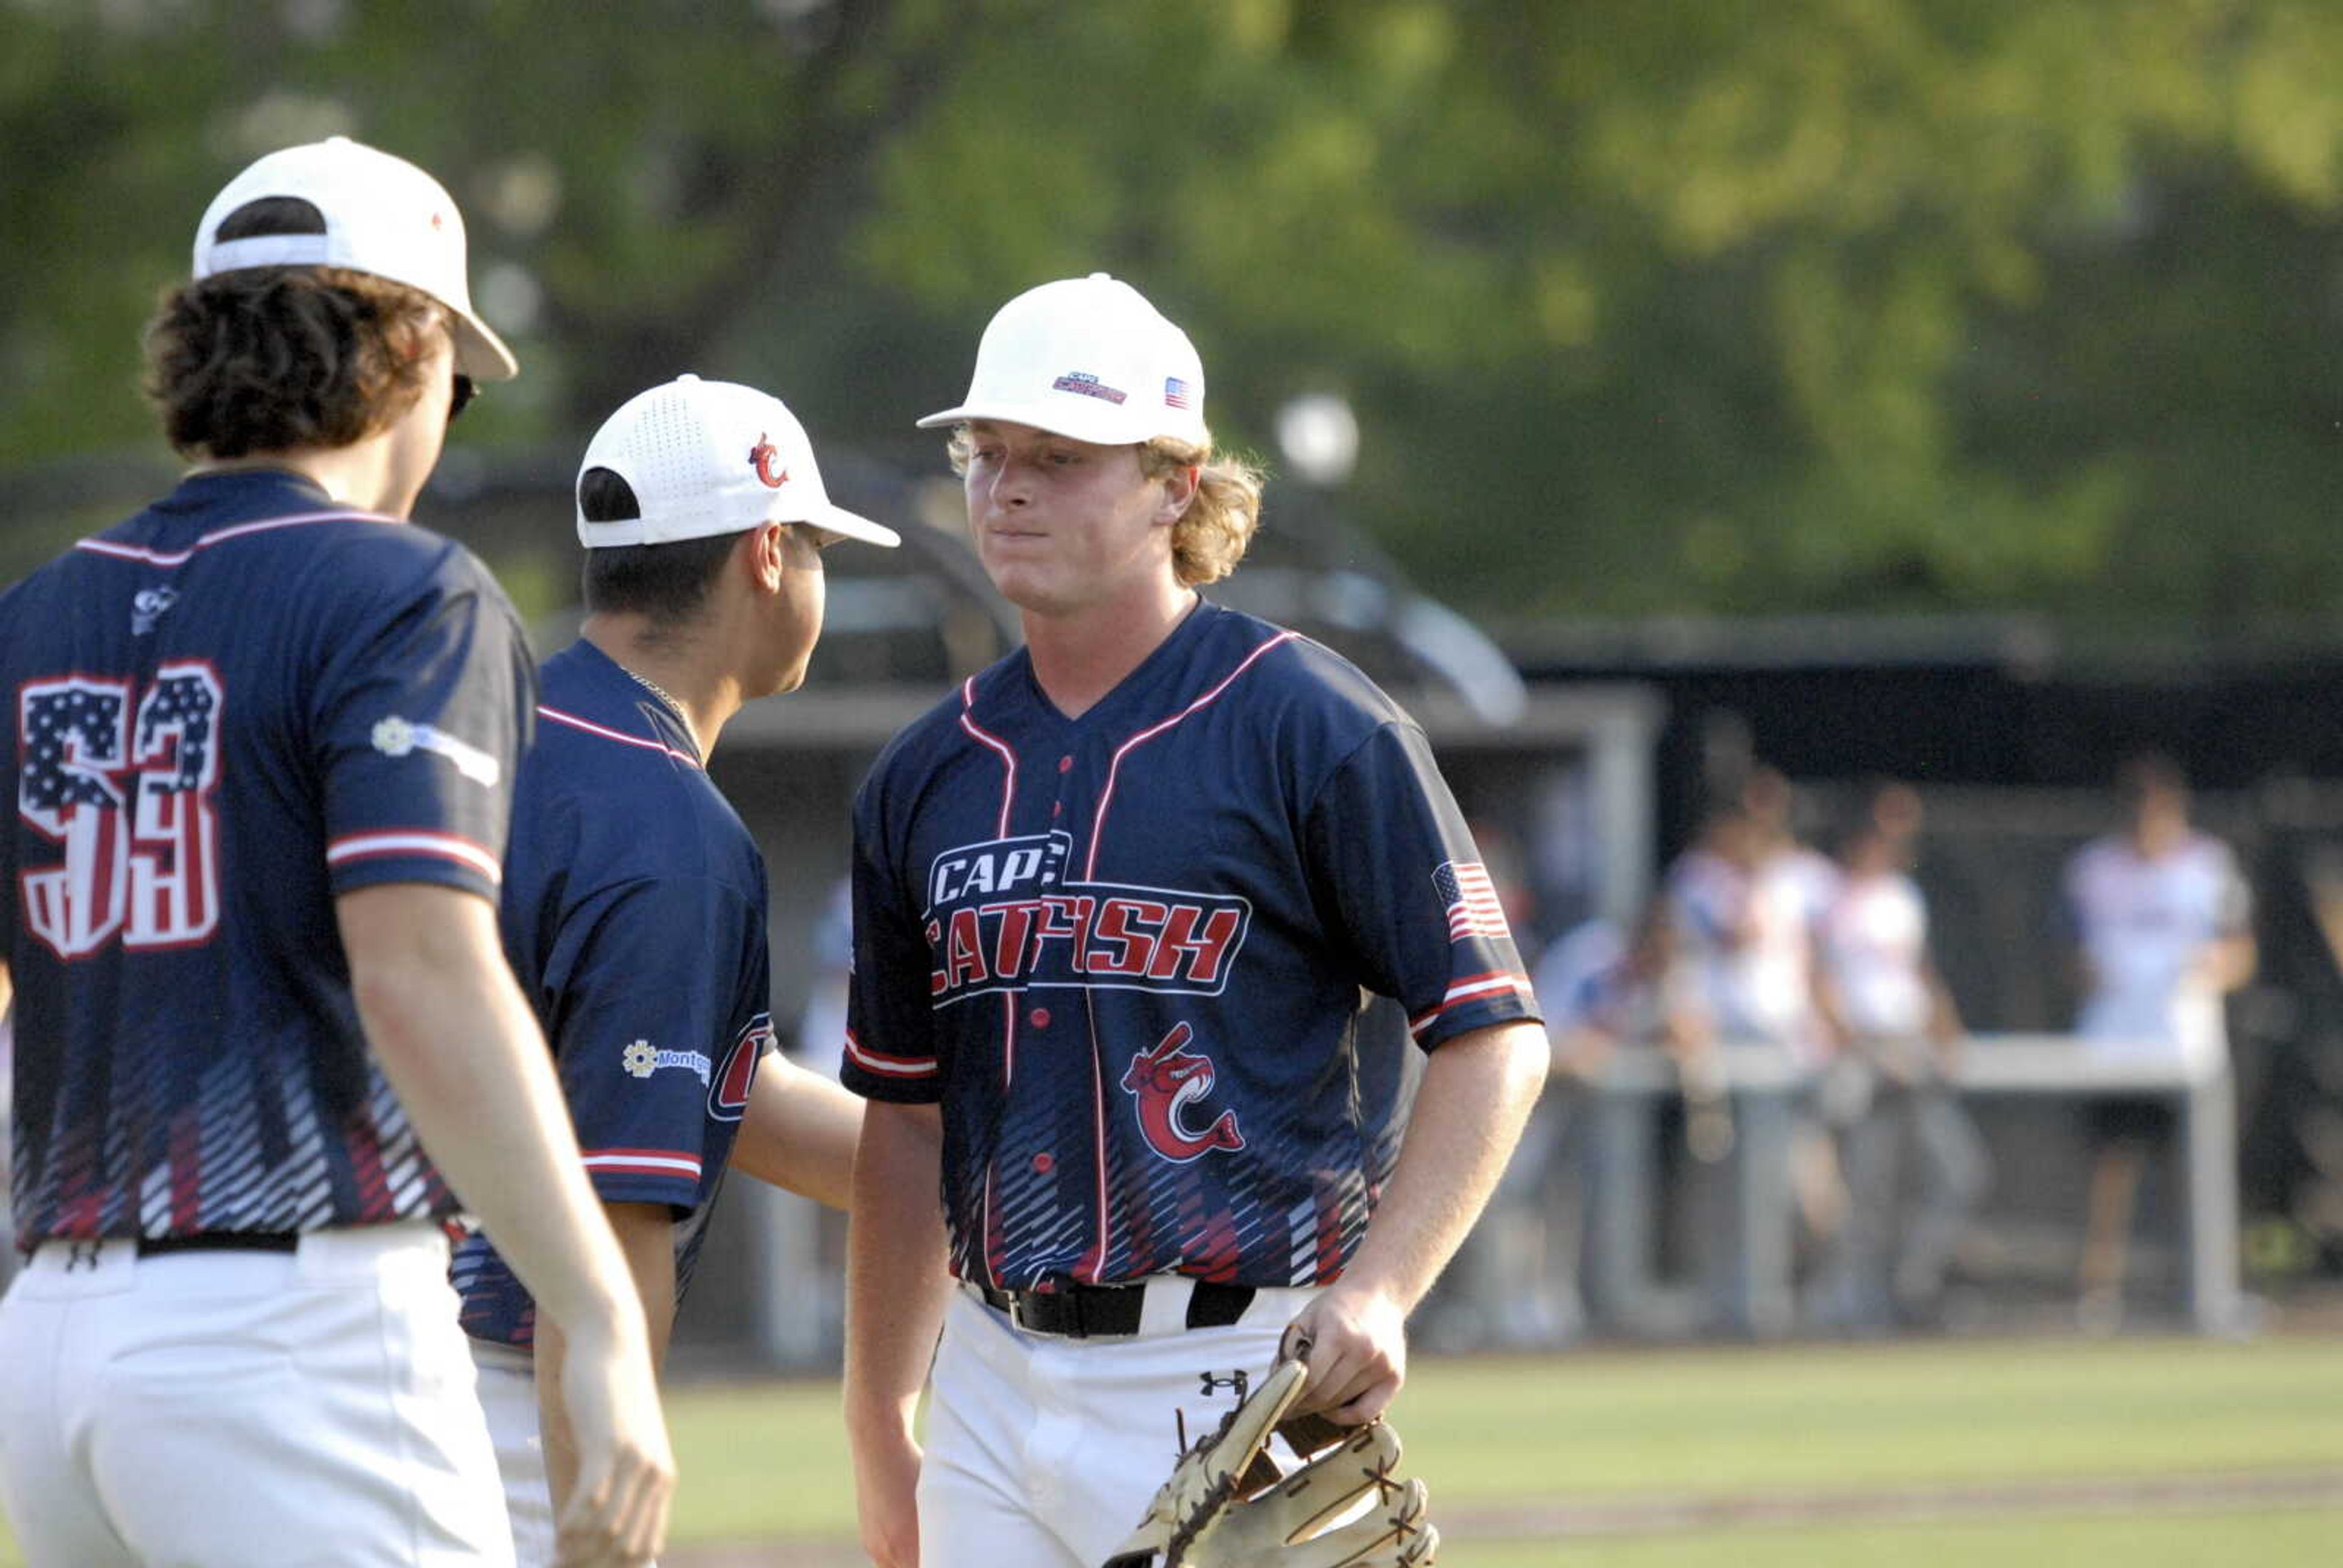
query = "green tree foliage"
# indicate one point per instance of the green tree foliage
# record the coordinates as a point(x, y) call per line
point(1814, 304)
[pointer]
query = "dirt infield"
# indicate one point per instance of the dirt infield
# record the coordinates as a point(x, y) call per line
point(1565, 1520)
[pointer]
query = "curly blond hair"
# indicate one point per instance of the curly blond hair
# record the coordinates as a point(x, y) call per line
point(1212, 537)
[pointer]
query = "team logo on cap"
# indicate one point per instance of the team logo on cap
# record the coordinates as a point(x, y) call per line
point(1088, 384)
point(1165, 1080)
point(765, 457)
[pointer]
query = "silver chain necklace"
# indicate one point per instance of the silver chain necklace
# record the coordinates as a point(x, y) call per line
point(656, 689)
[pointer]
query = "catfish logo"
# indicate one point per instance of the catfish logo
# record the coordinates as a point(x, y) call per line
point(728, 1091)
point(764, 456)
point(1165, 1080)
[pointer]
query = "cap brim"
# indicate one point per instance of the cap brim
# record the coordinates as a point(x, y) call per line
point(1083, 418)
point(480, 354)
point(848, 525)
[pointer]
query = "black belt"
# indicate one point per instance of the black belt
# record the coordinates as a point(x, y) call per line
point(221, 1241)
point(1087, 1311)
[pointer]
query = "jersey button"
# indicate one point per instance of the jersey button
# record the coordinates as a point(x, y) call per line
point(1065, 765)
point(1043, 1164)
point(1038, 1018)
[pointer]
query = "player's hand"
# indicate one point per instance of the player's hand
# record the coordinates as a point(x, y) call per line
point(886, 1498)
point(1355, 1341)
point(617, 1513)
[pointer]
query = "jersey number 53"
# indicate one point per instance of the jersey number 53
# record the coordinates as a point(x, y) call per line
point(123, 778)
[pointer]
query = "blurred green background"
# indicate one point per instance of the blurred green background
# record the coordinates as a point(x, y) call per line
point(1927, 304)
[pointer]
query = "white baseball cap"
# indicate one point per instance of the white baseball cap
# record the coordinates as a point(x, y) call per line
point(383, 215)
point(706, 457)
point(1087, 357)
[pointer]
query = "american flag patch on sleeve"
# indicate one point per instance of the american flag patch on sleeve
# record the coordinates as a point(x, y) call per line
point(1471, 900)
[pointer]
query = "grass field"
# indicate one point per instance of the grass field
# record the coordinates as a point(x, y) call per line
point(2141, 1454)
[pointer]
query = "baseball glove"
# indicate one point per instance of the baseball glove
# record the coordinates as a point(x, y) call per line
point(1231, 1504)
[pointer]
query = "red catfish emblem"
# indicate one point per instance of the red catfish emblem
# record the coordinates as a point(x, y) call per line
point(763, 457)
point(1164, 1079)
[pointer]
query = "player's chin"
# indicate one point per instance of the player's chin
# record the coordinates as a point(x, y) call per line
point(1023, 585)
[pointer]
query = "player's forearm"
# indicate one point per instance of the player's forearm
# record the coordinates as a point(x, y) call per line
point(1477, 1092)
point(645, 1234)
point(799, 1132)
point(444, 1017)
point(896, 1275)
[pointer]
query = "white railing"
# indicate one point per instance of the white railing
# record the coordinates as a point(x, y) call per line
point(1750, 1286)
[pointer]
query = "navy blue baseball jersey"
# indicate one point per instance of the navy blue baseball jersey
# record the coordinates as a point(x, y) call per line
point(227, 711)
point(634, 915)
point(1131, 953)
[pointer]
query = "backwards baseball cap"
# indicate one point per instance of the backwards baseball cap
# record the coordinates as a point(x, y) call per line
point(706, 458)
point(383, 215)
point(1087, 357)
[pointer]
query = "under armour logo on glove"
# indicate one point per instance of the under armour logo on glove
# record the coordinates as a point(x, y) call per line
point(82, 1255)
point(1230, 1503)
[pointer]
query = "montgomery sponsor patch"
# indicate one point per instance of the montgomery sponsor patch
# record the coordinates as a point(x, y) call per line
point(397, 737)
point(641, 1059)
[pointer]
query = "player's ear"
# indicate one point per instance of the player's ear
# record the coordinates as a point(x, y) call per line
point(1180, 483)
point(765, 555)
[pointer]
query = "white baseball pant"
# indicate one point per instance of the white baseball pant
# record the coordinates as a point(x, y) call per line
point(244, 1409)
point(508, 1397)
point(1044, 1452)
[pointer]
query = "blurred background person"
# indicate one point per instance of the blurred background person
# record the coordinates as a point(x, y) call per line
point(821, 1034)
point(1605, 990)
point(2161, 921)
point(1746, 901)
point(1905, 1133)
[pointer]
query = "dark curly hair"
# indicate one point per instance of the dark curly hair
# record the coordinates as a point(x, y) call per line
point(268, 358)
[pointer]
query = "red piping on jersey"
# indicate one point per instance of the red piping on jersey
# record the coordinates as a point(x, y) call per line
point(1098, 822)
point(1471, 988)
point(620, 736)
point(894, 1066)
point(1094, 1262)
point(1008, 753)
point(994, 1249)
point(643, 1163)
point(415, 841)
point(179, 557)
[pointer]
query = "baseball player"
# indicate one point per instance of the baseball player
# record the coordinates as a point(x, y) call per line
point(1119, 903)
point(263, 742)
point(634, 898)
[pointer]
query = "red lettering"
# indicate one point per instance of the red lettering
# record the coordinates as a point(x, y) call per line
point(1133, 950)
point(1203, 954)
point(964, 957)
point(1009, 952)
point(1067, 920)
